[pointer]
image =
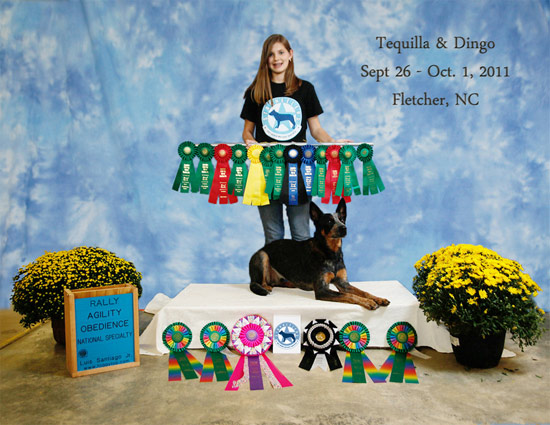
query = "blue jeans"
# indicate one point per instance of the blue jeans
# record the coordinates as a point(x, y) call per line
point(272, 221)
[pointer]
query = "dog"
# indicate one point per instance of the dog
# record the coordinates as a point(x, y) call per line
point(287, 335)
point(282, 117)
point(311, 265)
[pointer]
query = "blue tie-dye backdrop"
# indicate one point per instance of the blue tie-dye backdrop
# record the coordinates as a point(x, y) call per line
point(95, 97)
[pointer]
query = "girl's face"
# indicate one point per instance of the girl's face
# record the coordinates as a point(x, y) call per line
point(278, 60)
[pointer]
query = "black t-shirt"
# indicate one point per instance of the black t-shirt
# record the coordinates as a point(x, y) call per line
point(286, 118)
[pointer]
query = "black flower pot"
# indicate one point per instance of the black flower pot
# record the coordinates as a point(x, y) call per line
point(474, 351)
point(58, 328)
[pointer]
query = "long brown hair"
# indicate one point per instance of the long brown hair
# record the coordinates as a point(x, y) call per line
point(261, 86)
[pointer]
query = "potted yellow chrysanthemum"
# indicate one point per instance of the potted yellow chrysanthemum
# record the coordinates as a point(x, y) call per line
point(38, 288)
point(478, 295)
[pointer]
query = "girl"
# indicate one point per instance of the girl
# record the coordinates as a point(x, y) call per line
point(279, 107)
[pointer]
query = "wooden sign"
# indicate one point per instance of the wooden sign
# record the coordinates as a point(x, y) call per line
point(101, 329)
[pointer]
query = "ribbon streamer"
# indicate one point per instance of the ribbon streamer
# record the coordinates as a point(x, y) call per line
point(372, 183)
point(401, 336)
point(176, 337)
point(239, 173)
point(320, 338)
point(267, 165)
point(205, 169)
point(275, 183)
point(333, 172)
point(214, 338)
point(254, 193)
point(354, 338)
point(220, 183)
point(347, 180)
point(252, 336)
point(308, 166)
point(318, 188)
point(294, 190)
point(185, 178)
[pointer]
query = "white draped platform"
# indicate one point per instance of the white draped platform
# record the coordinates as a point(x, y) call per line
point(199, 304)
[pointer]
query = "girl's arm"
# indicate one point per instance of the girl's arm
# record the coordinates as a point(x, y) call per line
point(319, 132)
point(248, 133)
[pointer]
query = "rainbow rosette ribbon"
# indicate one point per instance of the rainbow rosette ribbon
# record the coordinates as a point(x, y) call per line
point(252, 336)
point(214, 338)
point(354, 338)
point(254, 193)
point(372, 183)
point(185, 177)
point(320, 339)
point(176, 337)
point(402, 338)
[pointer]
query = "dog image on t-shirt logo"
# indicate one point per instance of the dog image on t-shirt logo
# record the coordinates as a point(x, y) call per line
point(282, 117)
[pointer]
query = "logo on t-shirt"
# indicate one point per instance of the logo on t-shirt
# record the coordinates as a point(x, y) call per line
point(283, 119)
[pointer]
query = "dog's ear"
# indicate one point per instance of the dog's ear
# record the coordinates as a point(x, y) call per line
point(341, 210)
point(314, 212)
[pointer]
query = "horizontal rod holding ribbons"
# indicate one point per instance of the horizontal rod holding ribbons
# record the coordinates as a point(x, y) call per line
point(297, 143)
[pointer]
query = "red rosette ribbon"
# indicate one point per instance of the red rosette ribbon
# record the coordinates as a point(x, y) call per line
point(219, 189)
point(333, 171)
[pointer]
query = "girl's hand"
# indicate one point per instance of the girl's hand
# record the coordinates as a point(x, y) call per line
point(250, 142)
point(344, 141)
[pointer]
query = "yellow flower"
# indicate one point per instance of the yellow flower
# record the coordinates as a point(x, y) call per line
point(453, 310)
point(471, 291)
point(482, 294)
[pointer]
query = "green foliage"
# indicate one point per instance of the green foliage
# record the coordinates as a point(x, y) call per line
point(38, 287)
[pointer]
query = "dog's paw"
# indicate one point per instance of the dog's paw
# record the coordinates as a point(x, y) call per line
point(259, 289)
point(369, 304)
point(382, 301)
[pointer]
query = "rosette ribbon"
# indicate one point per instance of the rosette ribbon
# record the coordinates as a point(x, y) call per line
point(252, 336)
point(220, 184)
point(294, 190)
point(214, 338)
point(401, 337)
point(185, 178)
point(318, 188)
point(308, 166)
point(254, 193)
point(372, 183)
point(347, 180)
point(354, 338)
point(237, 180)
point(333, 171)
point(205, 169)
point(176, 337)
point(274, 184)
point(320, 339)
point(267, 165)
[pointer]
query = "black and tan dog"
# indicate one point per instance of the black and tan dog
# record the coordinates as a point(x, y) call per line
point(311, 265)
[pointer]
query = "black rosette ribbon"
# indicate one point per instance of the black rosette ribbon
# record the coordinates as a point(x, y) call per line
point(220, 182)
point(176, 337)
point(274, 184)
point(185, 178)
point(347, 180)
point(402, 338)
point(239, 173)
point(294, 189)
point(308, 166)
point(205, 169)
point(320, 338)
point(214, 338)
point(318, 187)
point(372, 183)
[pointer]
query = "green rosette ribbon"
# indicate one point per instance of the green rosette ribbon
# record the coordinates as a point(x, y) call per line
point(402, 338)
point(176, 337)
point(239, 173)
point(214, 338)
point(354, 338)
point(347, 179)
point(267, 164)
point(275, 184)
point(185, 178)
point(205, 170)
point(318, 188)
point(372, 183)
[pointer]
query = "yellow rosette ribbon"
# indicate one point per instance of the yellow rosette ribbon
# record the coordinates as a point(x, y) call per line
point(254, 193)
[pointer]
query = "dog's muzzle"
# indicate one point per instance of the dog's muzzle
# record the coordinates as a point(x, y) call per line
point(342, 231)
